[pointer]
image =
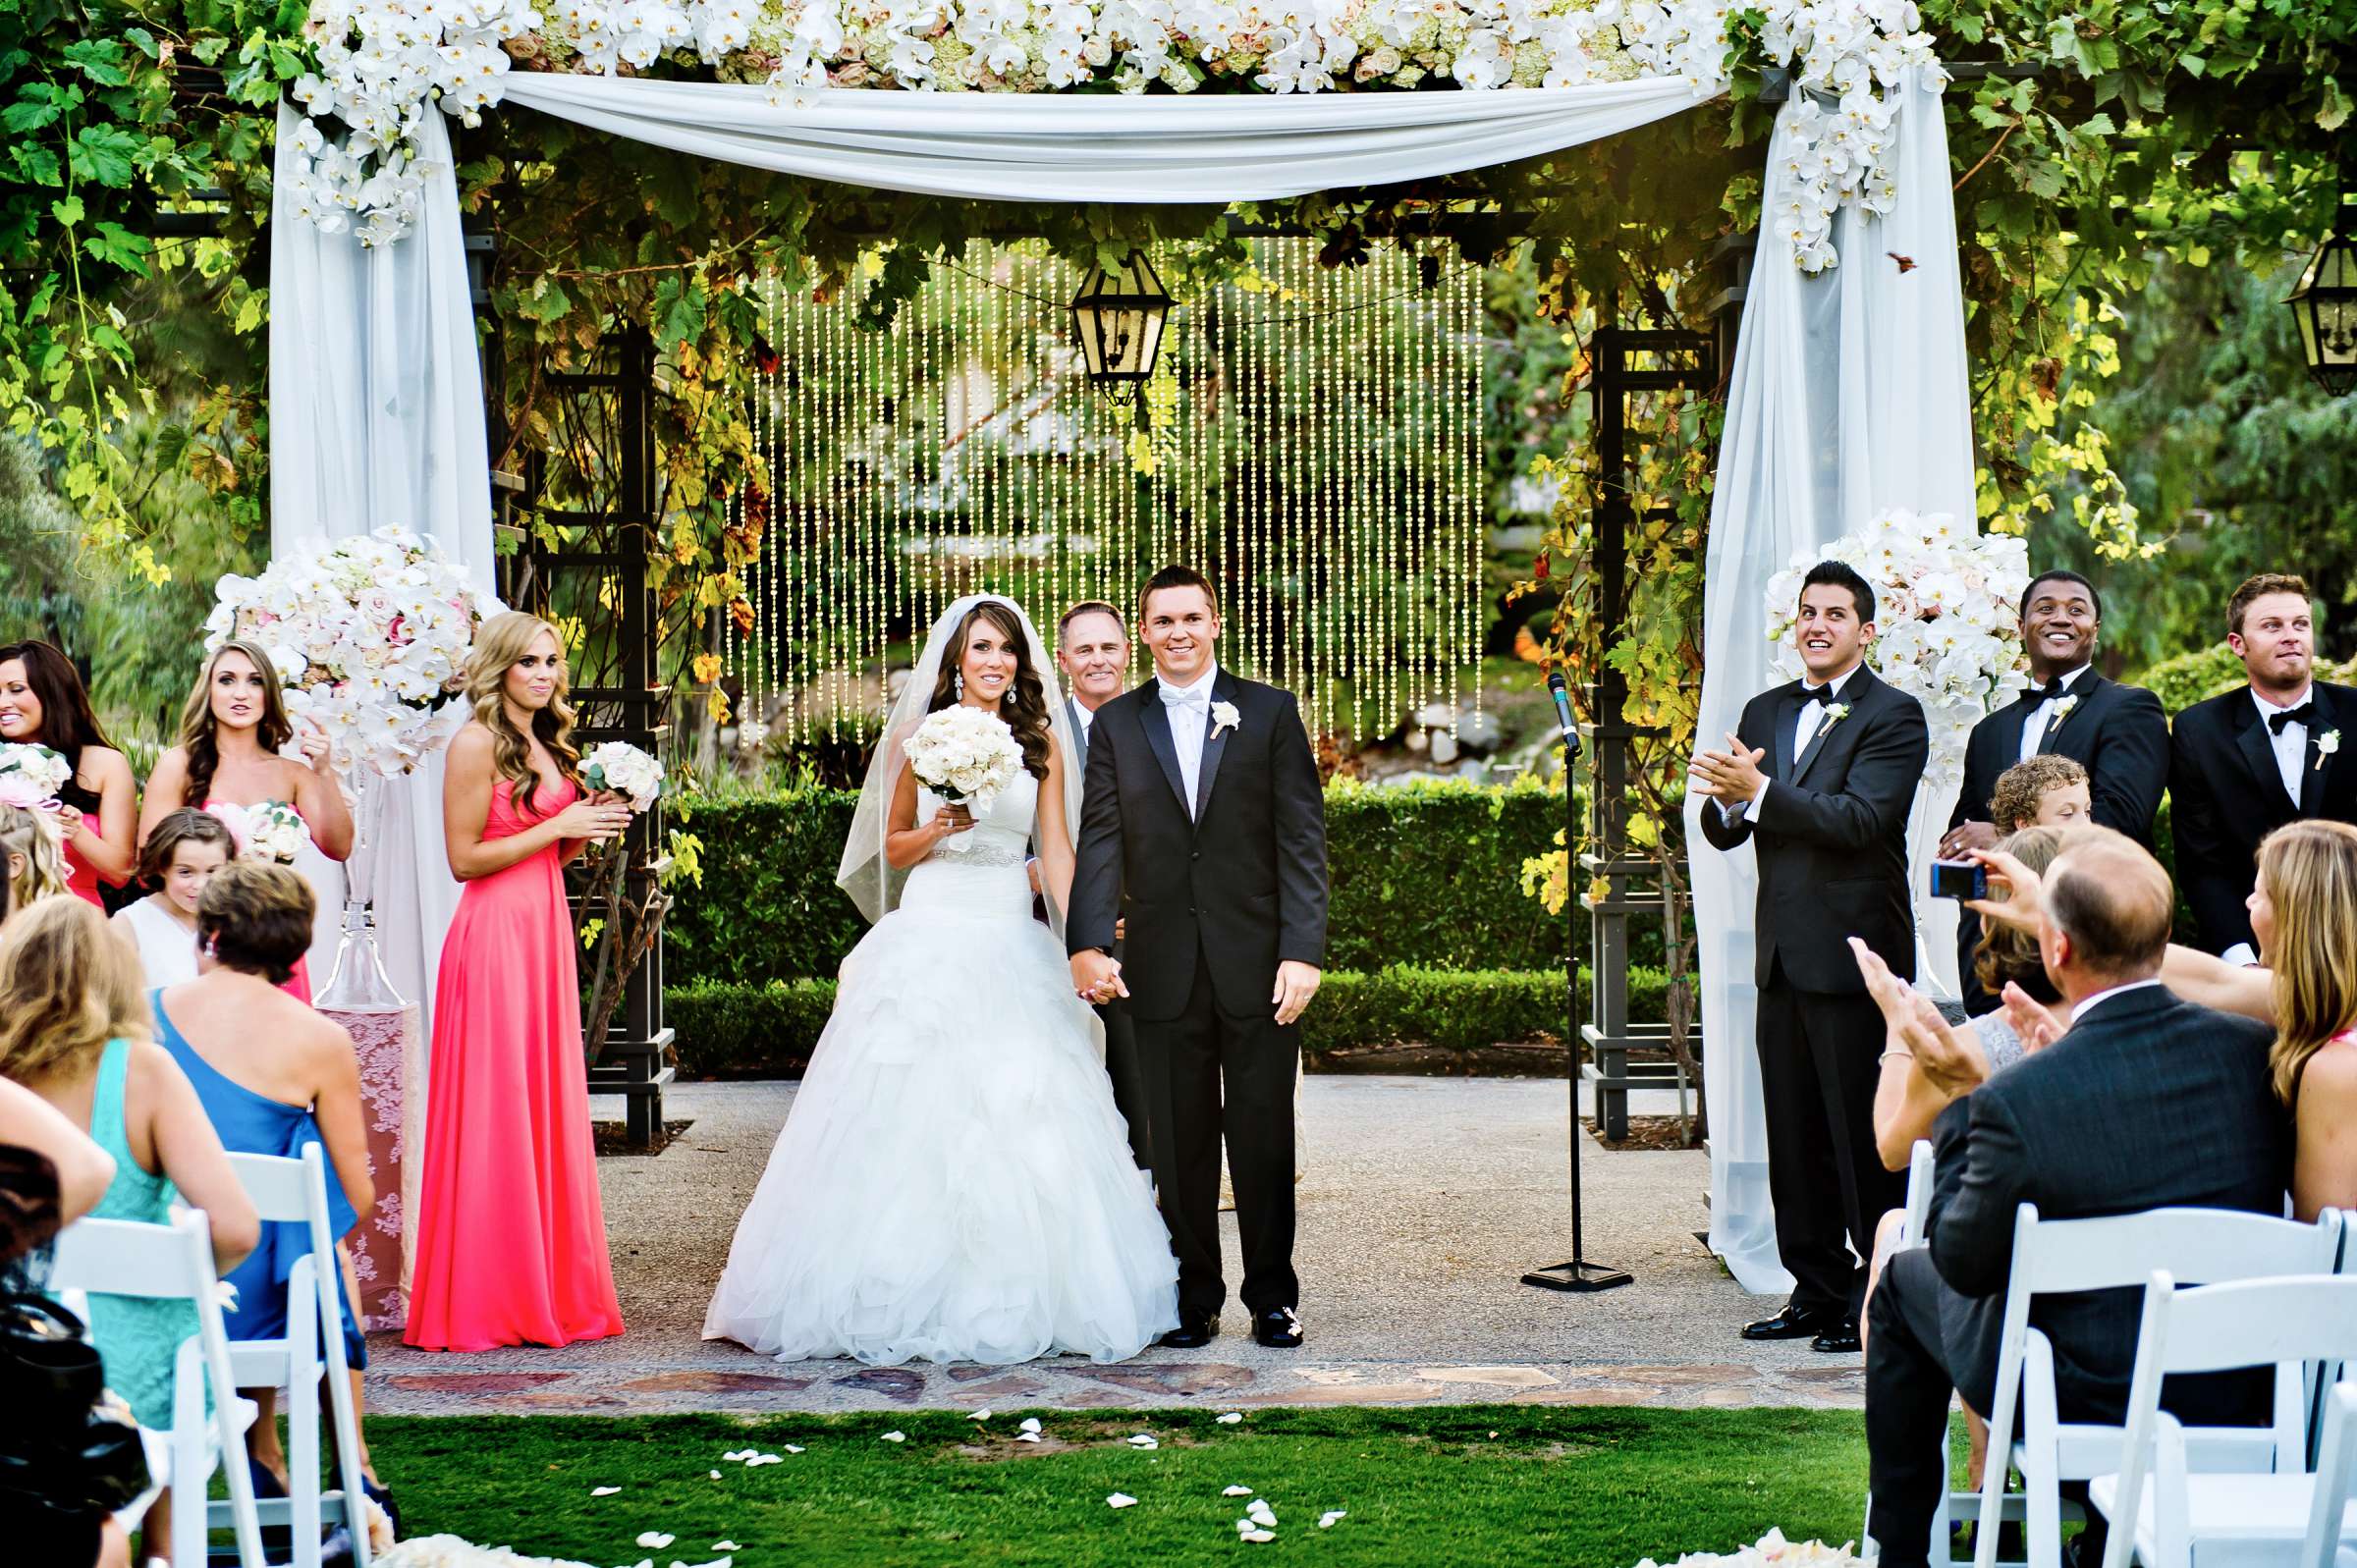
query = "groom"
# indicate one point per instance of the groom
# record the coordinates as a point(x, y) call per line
point(1204, 826)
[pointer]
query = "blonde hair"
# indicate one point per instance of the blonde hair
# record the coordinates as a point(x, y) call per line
point(2008, 953)
point(2022, 788)
point(499, 644)
point(197, 742)
point(34, 837)
point(2309, 869)
point(68, 985)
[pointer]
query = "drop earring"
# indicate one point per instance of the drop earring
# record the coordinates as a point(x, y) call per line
point(958, 684)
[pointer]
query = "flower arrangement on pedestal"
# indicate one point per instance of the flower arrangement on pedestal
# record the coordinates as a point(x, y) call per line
point(370, 636)
point(1947, 618)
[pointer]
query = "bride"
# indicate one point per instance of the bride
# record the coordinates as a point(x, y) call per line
point(953, 1182)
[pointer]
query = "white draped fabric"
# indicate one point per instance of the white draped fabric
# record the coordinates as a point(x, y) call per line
point(1118, 148)
point(376, 418)
point(1848, 395)
point(1848, 392)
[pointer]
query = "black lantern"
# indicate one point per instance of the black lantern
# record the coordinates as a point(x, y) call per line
point(2326, 306)
point(1118, 315)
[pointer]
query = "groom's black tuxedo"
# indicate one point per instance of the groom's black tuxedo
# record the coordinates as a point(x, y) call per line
point(1830, 832)
point(2226, 793)
point(1217, 893)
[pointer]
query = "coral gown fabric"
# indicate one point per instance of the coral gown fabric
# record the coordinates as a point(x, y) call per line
point(510, 1231)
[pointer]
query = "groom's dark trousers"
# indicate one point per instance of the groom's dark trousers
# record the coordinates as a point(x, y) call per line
point(1215, 898)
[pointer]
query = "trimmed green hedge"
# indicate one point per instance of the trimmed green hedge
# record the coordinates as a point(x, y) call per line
point(729, 1030)
point(1424, 875)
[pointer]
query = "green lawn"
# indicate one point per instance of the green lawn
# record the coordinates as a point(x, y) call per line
point(1578, 1486)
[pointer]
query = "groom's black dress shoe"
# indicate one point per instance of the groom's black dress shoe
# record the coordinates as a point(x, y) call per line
point(1842, 1339)
point(1796, 1322)
point(1195, 1329)
point(1279, 1328)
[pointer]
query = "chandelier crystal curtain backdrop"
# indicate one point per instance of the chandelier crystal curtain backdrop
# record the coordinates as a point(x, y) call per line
point(1313, 435)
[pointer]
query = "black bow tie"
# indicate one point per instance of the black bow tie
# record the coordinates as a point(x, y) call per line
point(2050, 692)
point(1822, 694)
point(2290, 716)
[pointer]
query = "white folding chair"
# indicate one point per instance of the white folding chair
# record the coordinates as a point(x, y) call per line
point(1954, 1505)
point(2212, 1246)
point(122, 1258)
point(2161, 1510)
point(295, 1191)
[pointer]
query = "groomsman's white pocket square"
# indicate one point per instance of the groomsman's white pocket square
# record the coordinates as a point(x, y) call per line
point(1224, 717)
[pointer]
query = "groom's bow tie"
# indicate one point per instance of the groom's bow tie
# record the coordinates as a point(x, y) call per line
point(2278, 722)
point(1186, 697)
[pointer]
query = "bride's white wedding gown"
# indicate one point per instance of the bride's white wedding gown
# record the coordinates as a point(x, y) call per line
point(953, 1182)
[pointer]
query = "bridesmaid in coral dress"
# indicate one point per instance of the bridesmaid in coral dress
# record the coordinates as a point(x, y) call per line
point(510, 1231)
point(229, 734)
point(42, 703)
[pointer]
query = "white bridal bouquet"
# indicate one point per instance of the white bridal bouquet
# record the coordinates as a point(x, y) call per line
point(1947, 618)
point(370, 636)
point(1771, 1550)
point(964, 755)
point(271, 830)
point(31, 775)
point(624, 768)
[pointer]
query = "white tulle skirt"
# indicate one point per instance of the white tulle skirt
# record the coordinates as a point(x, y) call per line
point(953, 1182)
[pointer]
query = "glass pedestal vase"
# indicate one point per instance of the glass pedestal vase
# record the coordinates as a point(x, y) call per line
point(389, 1035)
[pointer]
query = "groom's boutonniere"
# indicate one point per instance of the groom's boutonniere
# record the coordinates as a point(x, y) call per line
point(2064, 708)
point(1835, 713)
point(2326, 745)
point(1224, 717)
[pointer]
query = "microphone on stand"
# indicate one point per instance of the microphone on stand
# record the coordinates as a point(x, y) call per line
point(1576, 1273)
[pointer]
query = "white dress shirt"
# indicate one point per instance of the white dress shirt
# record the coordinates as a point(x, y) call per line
point(1086, 717)
point(2033, 729)
point(1189, 709)
point(2290, 743)
point(1804, 729)
point(2086, 1002)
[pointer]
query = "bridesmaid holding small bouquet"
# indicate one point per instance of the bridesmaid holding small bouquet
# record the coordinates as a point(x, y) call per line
point(510, 1229)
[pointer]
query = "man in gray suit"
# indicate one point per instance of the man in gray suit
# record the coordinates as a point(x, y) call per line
point(1092, 645)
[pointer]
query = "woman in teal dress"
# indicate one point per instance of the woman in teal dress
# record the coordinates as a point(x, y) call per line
point(74, 1029)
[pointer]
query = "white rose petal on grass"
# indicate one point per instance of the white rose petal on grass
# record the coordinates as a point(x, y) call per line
point(1027, 1436)
point(1257, 1536)
point(1261, 1514)
point(603, 1492)
point(894, 1436)
point(979, 1415)
point(1121, 1499)
point(789, 1447)
point(1231, 1418)
point(1144, 1441)
point(715, 1475)
point(1030, 1424)
point(1238, 1491)
point(1327, 1519)
point(656, 1539)
point(726, 1545)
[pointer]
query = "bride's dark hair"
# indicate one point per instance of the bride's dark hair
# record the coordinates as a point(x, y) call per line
point(1026, 705)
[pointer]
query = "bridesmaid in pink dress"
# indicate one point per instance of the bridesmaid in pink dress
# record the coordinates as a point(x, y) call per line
point(229, 734)
point(42, 703)
point(510, 1231)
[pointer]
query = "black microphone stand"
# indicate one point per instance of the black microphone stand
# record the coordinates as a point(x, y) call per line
point(1577, 1274)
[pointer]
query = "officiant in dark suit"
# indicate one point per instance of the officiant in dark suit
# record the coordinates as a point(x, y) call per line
point(2262, 755)
point(2117, 733)
point(1820, 779)
point(1092, 647)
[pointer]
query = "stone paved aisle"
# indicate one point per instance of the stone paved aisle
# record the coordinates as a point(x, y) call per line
point(1422, 1201)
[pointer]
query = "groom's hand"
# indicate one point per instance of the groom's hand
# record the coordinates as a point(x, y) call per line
point(1296, 983)
point(1097, 977)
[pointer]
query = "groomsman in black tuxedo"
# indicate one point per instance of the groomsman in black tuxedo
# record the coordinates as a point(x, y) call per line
point(1092, 645)
point(2259, 756)
point(2118, 734)
point(1820, 779)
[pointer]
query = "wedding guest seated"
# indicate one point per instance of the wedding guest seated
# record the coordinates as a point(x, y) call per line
point(175, 863)
point(2048, 790)
point(2148, 1102)
point(33, 853)
point(2303, 911)
point(274, 1075)
point(74, 1029)
point(50, 1175)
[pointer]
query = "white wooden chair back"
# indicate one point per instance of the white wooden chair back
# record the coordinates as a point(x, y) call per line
point(2280, 1323)
point(2053, 1257)
point(2336, 1479)
point(124, 1257)
point(294, 1191)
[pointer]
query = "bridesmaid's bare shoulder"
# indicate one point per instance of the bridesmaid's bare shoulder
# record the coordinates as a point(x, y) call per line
point(472, 746)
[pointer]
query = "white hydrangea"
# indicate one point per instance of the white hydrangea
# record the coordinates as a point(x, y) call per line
point(384, 64)
point(626, 770)
point(1947, 621)
point(368, 635)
